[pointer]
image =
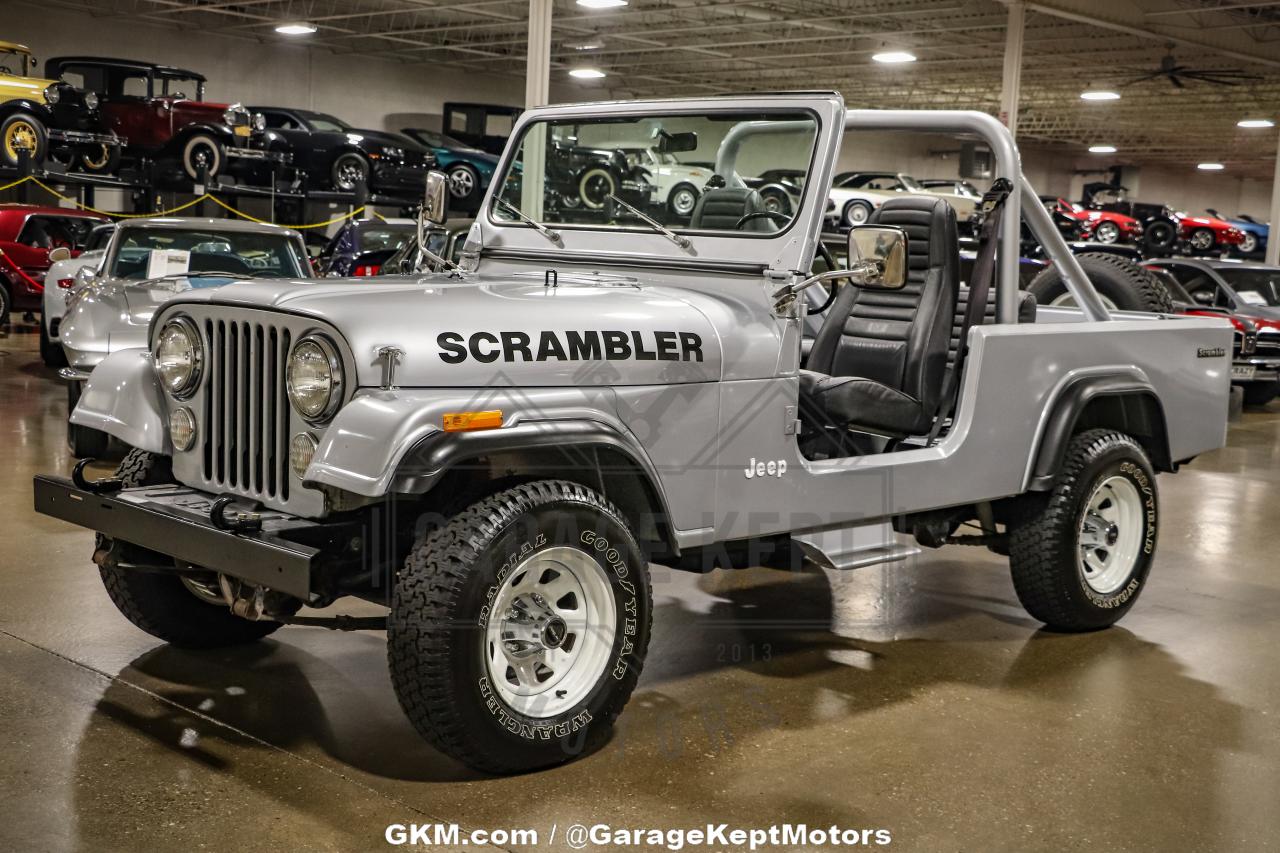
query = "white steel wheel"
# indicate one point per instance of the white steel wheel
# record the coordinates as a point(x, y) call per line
point(856, 213)
point(1066, 300)
point(683, 200)
point(1111, 534)
point(1249, 244)
point(1107, 232)
point(551, 633)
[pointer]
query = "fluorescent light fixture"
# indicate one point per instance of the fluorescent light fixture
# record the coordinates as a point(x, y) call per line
point(601, 4)
point(296, 28)
point(1099, 95)
point(588, 44)
point(1102, 149)
point(894, 57)
point(1211, 167)
point(1255, 122)
point(587, 73)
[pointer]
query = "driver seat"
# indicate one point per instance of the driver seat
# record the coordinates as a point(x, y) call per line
point(878, 362)
point(720, 208)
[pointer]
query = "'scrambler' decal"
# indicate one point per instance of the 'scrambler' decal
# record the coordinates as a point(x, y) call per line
point(487, 347)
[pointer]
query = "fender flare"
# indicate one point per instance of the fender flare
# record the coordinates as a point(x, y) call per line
point(26, 105)
point(122, 397)
point(1139, 413)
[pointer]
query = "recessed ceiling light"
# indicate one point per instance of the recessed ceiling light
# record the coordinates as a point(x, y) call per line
point(587, 73)
point(1211, 167)
point(296, 28)
point(1102, 149)
point(601, 4)
point(1256, 122)
point(1099, 95)
point(894, 57)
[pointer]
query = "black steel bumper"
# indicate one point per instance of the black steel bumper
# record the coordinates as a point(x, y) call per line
point(174, 521)
point(83, 137)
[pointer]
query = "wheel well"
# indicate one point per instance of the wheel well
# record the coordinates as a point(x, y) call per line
point(1132, 410)
point(611, 472)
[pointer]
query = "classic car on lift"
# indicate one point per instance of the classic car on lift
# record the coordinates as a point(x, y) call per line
point(1255, 354)
point(856, 194)
point(583, 177)
point(337, 156)
point(469, 169)
point(147, 262)
point(160, 114)
point(352, 248)
point(60, 282)
point(1205, 234)
point(31, 239)
point(49, 118)
point(1160, 225)
point(497, 453)
point(1254, 242)
point(1100, 226)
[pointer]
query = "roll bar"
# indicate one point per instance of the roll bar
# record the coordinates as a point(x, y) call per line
point(1022, 201)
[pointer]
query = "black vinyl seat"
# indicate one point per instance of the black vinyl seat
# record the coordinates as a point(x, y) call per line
point(878, 362)
point(720, 209)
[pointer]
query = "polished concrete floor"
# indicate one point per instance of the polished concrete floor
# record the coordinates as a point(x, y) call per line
point(917, 698)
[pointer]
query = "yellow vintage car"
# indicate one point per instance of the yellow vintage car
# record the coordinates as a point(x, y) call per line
point(50, 118)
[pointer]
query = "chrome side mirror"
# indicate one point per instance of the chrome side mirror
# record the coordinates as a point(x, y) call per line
point(61, 253)
point(435, 199)
point(883, 249)
point(83, 276)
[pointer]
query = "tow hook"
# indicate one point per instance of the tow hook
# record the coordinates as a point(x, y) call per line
point(235, 522)
point(105, 486)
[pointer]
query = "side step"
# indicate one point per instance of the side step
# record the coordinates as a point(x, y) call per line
point(854, 547)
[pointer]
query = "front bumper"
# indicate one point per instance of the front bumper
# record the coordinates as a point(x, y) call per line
point(1250, 369)
point(83, 137)
point(174, 521)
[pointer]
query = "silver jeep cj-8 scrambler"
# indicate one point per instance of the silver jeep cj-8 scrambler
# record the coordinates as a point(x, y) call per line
point(497, 451)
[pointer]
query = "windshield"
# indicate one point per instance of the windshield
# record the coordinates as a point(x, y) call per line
point(437, 140)
point(179, 87)
point(587, 171)
point(148, 253)
point(1254, 286)
point(13, 62)
point(326, 123)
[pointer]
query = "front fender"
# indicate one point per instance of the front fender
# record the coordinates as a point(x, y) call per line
point(27, 105)
point(123, 398)
point(379, 431)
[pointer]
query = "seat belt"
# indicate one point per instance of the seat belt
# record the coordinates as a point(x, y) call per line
point(984, 267)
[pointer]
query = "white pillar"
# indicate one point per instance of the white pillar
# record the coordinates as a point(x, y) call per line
point(537, 81)
point(537, 92)
point(1273, 237)
point(1012, 85)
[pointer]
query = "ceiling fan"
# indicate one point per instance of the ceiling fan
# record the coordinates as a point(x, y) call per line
point(1181, 75)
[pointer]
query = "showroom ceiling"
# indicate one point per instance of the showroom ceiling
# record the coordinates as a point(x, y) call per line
point(689, 47)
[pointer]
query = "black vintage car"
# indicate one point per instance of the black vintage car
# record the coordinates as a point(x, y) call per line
point(581, 178)
point(338, 156)
point(1159, 225)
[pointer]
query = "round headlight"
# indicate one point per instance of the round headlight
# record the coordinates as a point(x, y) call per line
point(314, 378)
point(52, 93)
point(259, 122)
point(91, 100)
point(182, 428)
point(179, 357)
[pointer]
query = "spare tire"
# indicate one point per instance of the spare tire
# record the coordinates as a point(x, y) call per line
point(1121, 283)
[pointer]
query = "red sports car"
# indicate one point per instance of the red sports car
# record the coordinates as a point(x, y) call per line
point(1100, 226)
point(28, 233)
point(1205, 233)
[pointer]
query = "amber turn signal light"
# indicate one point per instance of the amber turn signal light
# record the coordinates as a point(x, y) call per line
point(462, 421)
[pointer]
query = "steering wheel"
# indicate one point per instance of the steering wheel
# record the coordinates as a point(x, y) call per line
point(834, 288)
point(780, 218)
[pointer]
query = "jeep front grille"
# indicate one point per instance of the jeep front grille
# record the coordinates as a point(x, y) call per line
point(246, 411)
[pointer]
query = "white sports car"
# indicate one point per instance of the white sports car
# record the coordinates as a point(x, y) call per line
point(59, 282)
point(855, 195)
point(675, 185)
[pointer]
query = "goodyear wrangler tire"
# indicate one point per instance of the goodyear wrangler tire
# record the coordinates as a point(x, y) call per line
point(518, 629)
point(1120, 282)
point(159, 603)
point(1081, 555)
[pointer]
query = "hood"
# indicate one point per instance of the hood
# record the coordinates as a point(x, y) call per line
point(504, 330)
point(142, 297)
point(385, 138)
point(1208, 221)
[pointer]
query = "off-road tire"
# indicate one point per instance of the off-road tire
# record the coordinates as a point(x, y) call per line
point(50, 353)
point(1044, 552)
point(157, 602)
point(435, 634)
point(1258, 394)
point(1122, 282)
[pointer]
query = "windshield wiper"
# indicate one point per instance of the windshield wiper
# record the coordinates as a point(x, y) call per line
point(553, 236)
point(681, 241)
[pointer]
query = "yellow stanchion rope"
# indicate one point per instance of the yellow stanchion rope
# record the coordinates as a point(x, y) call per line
point(185, 206)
